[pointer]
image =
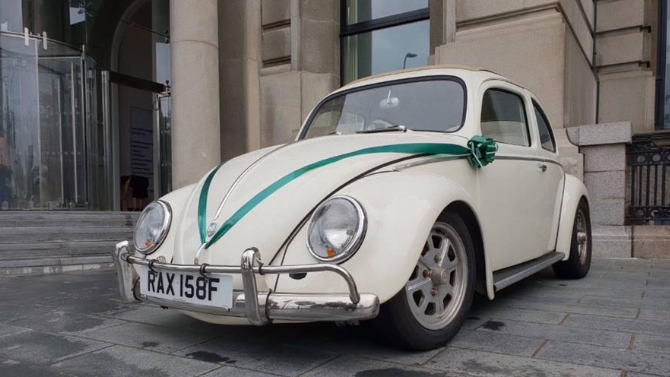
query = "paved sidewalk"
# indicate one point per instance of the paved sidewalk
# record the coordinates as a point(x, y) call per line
point(616, 322)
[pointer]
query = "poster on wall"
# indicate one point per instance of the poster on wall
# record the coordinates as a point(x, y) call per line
point(141, 144)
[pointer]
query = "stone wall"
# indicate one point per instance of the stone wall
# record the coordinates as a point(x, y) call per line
point(604, 150)
point(300, 63)
point(624, 58)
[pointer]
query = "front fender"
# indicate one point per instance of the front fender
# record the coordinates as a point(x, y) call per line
point(573, 192)
point(401, 208)
point(177, 200)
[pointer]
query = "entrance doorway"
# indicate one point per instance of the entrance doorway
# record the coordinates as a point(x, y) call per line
point(141, 138)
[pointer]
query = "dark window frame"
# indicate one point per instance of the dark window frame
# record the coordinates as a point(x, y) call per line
point(399, 19)
point(315, 111)
point(536, 106)
point(660, 65)
point(525, 113)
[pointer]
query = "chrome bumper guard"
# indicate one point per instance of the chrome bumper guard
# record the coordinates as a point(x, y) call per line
point(259, 308)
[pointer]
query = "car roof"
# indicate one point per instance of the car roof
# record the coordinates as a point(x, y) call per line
point(471, 74)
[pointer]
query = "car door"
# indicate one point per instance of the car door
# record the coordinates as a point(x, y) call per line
point(554, 175)
point(512, 189)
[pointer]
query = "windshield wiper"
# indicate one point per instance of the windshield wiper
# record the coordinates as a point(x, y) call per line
point(387, 129)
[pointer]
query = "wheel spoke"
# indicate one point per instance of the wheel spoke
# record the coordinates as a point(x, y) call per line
point(422, 284)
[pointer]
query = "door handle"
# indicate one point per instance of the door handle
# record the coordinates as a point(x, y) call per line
point(542, 167)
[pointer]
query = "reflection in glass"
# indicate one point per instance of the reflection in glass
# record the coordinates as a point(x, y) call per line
point(385, 50)
point(366, 10)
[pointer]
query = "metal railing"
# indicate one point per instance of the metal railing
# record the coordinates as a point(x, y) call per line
point(649, 163)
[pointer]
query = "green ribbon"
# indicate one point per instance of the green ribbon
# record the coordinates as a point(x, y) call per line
point(483, 151)
point(478, 153)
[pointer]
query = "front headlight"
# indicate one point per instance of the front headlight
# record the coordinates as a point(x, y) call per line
point(152, 227)
point(336, 229)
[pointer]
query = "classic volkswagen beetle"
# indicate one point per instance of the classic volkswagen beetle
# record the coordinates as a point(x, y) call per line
point(402, 196)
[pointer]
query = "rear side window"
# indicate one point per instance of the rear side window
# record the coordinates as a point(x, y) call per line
point(546, 136)
point(504, 118)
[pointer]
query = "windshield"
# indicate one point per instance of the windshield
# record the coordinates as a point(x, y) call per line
point(429, 105)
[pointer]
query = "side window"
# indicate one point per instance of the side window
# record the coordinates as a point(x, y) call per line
point(546, 136)
point(504, 118)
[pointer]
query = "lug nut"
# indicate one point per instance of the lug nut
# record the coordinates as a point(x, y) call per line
point(433, 292)
point(437, 259)
point(426, 273)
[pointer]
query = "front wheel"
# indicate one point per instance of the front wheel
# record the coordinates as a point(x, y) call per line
point(432, 306)
point(579, 262)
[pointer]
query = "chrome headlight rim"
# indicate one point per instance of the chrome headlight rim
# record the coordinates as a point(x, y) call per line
point(358, 237)
point(165, 227)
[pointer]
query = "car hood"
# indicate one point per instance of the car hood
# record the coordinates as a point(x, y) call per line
point(275, 188)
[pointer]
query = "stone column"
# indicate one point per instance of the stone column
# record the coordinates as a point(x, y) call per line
point(194, 43)
point(604, 150)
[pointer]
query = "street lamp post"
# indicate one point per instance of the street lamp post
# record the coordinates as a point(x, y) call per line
point(408, 55)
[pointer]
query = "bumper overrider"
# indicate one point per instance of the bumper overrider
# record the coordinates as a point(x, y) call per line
point(259, 308)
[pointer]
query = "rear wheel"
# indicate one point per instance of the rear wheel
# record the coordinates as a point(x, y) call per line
point(432, 306)
point(579, 262)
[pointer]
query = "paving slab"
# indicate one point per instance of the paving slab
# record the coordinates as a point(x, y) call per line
point(12, 368)
point(657, 315)
point(140, 335)
point(619, 324)
point(604, 338)
point(58, 321)
point(646, 302)
point(119, 361)
point(486, 364)
point(652, 343)
point(496, 342)
point(152, 315)
point(236, 372)
point(11, 330)
point(620, 312)
point(362, 367)
point(527, 315)
point(43, 348)
point(259, 356)
point(650, 363)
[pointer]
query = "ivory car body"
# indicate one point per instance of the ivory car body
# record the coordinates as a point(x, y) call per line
point(402, 195)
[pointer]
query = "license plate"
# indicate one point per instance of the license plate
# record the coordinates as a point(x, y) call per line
point(215, 290)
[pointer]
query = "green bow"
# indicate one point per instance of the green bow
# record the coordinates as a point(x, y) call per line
point(483, 151)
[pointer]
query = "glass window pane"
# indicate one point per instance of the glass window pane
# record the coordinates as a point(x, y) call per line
point(504, 118)
point(366, 10)
point(665, 122)
point(546, 138)
point(386, 50)
point(430, 105)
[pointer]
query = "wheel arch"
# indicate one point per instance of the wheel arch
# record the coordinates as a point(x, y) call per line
point(467, 213)
point(573, 193)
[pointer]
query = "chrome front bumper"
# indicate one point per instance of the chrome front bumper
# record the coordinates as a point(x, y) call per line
point(259, 308)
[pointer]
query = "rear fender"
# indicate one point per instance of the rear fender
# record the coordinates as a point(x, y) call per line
point(573, 192)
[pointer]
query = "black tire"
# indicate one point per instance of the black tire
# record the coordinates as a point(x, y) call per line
point(579, 262)
point(396, 322)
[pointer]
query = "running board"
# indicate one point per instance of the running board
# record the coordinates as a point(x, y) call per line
point(508, 276)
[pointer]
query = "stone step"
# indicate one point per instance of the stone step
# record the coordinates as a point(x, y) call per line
point(39, 235)
point(114, 222)
point(45, 249)
point(54, 264)
point(56, 241)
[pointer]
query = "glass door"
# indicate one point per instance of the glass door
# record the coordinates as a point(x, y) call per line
point(45, 114)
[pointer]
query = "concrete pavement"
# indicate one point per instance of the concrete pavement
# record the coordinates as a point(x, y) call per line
point(615, 322)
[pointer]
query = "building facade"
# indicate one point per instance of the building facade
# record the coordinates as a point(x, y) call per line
point(175, 88)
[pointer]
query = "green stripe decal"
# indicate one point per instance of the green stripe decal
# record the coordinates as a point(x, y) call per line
point(410, 148)
point(202, 205)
